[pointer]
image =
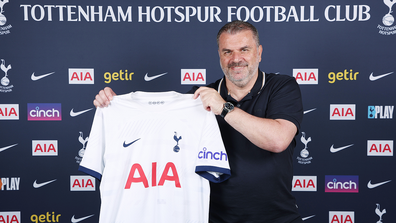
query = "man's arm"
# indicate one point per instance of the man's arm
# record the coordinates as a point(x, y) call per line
point(104, 97)
point(273, 135)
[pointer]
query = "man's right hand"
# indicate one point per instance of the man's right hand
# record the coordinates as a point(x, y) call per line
point(104, 97)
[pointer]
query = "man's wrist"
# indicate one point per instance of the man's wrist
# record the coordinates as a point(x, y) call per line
point(227, 108)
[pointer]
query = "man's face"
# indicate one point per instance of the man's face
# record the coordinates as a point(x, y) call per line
point(239, 56)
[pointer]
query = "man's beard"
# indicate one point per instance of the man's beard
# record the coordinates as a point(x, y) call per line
point(239, 82)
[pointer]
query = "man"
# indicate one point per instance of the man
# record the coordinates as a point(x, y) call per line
point(259, 115)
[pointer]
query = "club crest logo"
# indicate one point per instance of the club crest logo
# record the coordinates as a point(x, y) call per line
point(388, 20)
point(82, 150)
point(303, 158)
point(176, 149)
point(5, 87)
point(379, 213)
point(3, 19)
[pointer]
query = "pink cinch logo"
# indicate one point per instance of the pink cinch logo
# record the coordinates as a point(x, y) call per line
point(342, 184)
point(44, 112)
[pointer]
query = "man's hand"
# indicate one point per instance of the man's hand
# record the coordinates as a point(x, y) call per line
point(211, 99)
point(104, 97)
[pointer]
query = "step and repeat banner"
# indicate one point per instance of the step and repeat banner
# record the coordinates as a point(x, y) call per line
point(56, 55)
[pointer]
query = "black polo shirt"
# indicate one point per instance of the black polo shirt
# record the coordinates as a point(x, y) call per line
point(259, 189)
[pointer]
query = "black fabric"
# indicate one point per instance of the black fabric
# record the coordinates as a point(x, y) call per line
point(259, 189)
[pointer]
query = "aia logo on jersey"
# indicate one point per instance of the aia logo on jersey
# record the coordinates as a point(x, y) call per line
point(304, 183)
point(9, 112)
point(306, 76)
point(81, 76)
point(341, 217)
point(342, 184)
point(82, 183)
point(380, 148)
point(10, 217)
point(193, 76)
point(45, 147)
point(343, 112)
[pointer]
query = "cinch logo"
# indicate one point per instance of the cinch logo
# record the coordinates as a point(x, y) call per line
point(204, 154)
point(165, 176)
point(343, 112)
point(341, 217)
point(381, 112)
point(10, 183)
point(44, 112)
point(45, 147)
point(306, 76)
point(82, 183)
point(81, 76)
point(115, 76)
point(193, 76)
point(10, 217)
point(379, 147)
point(9, 112)
point(304, 183)
point(48, 217)
point(342, 184)
point(348, 76)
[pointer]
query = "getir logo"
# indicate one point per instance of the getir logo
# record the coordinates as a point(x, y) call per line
point(48, 217)
point(343, 112)
point(44, 112)
point(9, 112)
point(193, 76)
point(81, 76)
point(82, 183)
point(45, 147)
point(342, 184)
point(306, 76)
point(9, 183)
point(10, 217)
point(341, 217)
point(379, 147)
point(345, 75)
point(380, 112)
point(304, 183)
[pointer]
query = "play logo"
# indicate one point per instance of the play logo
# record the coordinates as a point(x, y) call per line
point(341, 184)
point(44, 112)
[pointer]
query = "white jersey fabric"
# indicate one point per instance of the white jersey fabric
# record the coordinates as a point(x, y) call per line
point(154, 154)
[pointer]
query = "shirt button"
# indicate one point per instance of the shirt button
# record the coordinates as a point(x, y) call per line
point(238, 105)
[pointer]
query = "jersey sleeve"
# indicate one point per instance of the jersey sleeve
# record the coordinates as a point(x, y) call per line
point(92, 162)
point(212, 159)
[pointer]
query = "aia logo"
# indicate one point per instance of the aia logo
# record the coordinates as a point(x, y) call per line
point(82, 183)
point(342, 184)
point(45, 147)
point(9, 112)
point(193, 76)
point(342, 112)
point(306, 76)
point(304, 183)
point(10, 217)
point(81, 76)
point(380, 112)
point(341, 217)
point(44, 112)
point(379, 147)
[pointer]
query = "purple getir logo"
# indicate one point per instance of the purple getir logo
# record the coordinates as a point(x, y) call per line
point(44, 112)
point(341, 184)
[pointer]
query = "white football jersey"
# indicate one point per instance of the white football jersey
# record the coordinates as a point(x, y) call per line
point(154, 154)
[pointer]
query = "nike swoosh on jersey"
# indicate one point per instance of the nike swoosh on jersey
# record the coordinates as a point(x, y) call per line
point(74, 114)
point(7, 147)
point(36, 185)
point(75, 220)
point(371, 186)
point(374, 78)
point(35, 78)
point(126, 145)
point(308, 217)
point(334, 150)
point(147, 78)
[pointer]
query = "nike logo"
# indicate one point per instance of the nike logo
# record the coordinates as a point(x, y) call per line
point(147, 78)
point(74, 114)
point(306, 218)
point(35, 78)
point(371, 186)
point(308, 111)
point(36, 185)
point(126, 145)
point(75, 220)
point(7, 147)
point(374, 78)
point(334, 150)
